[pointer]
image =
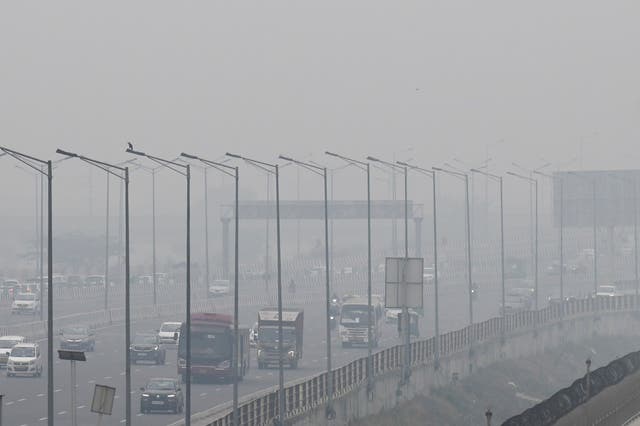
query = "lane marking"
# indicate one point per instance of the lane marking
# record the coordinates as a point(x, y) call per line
point(62, 412)
point(79, 407)
point(22, 399)
point(39, 395)
point(42, 419)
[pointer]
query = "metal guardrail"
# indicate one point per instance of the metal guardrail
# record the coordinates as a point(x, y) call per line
point(304, 395)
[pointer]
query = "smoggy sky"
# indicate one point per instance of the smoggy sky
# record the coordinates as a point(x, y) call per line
point(521, 81)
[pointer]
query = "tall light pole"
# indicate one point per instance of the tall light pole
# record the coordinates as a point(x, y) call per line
point(499, 180)
point(561, 236)
point(432, 175)
point(38, 165)
point(465, 178)
point(634, 185)
point(405, 310)
point(365, 166)
point(322, 172)
point(273, 169)
point(595, 228)
point(535, 257)
point(152, 172)
point(185, 171)
point(234, 173)
point(124, 176)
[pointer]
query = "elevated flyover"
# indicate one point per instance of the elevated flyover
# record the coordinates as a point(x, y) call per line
point(525, 333)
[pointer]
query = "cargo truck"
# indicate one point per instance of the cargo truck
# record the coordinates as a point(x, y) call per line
point(292, 332)
point(354, 319)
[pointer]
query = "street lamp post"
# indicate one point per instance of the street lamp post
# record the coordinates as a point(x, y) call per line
point(273, 169)
point(322, 172)
point(152, 172)
point(465, 177)
point(535, 257)
point(234, 173)
point(499, 180)
point(595, 229)
point(561, 236)
point(183, 170)
point(365, 166)
point(432, 175)
point(38, 165)
point(405, 310)
point(634, 184)
point(124, 176)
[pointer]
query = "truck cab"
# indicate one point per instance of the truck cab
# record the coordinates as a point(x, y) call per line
point(354, 322)
point(268, 352)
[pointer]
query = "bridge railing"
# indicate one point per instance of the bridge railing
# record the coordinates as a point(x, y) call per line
point(306, 394)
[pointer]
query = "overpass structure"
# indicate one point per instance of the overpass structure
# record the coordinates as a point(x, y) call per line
point(314, 210)
point(461, 351)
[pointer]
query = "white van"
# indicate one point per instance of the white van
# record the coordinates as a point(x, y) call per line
point(25, 359)
point(6, 344)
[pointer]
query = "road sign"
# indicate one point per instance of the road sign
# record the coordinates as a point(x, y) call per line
point(71, 355)
point(102, 402)
point(403, 282)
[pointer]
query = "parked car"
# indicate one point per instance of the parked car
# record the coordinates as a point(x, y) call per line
point(161, 394)
point(147, 347)
point(6, 344)
point(77, 338)
point(25, 359)
point(167, 331)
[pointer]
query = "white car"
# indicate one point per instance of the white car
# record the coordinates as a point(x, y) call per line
point(6, 344)
point(607, 291)
point(25, 359)
point(391, 315)
point(26, 303)
point(167, 331)
point(219, 288)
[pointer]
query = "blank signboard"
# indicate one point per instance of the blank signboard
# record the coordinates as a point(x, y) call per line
point(403, 282)
point(102, 402)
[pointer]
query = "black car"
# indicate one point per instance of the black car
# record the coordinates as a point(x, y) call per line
point(77, 338)
point(161, 394)
point(147, 347)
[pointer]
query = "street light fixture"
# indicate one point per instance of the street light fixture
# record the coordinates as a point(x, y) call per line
point(365, 167)
point(561, 236)
point(183, 170)
point(465, 177)
point(405, 310)
point(634, 183)
point(234, 173)
point(37, 165)
point(322, 172)
point(499, 180)
point(275, 170)
point(432, 175)
point(124, 176)
point(535, 262)
point(595, 229)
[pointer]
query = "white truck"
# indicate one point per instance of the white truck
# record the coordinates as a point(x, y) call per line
point(354, 317)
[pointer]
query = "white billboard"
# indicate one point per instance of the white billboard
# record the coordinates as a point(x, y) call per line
point(403, 282)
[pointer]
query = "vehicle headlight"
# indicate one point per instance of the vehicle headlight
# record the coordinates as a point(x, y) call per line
point(332, 317)
point(145, 395)
point(292, 354)
point(171, 396)
point(259, 353)
point(156, 347)
point(224, 364)
point(32, 361)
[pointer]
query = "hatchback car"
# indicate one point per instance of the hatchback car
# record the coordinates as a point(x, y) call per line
point(147, 347)
point(162, 394)
point(25, 359)
point(77, 338)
